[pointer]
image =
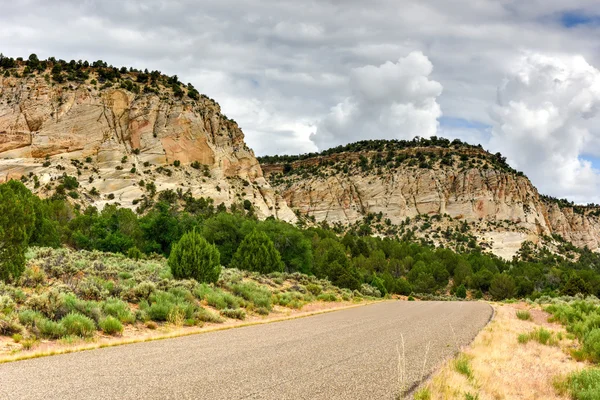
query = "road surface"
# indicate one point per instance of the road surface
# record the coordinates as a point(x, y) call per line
point(347, 354)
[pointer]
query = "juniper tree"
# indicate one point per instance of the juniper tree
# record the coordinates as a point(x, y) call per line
point(17, 219)
point(193, 257)
point(257, 253)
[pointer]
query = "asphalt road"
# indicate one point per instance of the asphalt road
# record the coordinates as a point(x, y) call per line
point(347, 354)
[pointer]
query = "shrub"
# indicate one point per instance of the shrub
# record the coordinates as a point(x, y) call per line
point(28, 317)
point(581, 385)
point(193, 257)
point(111, 326)
point(119, 309)
point(50, 329)
point(9, 325)
point(327, 297)
point(78, 325)
point(314, 289)
point(523, 315)
point(234, 313)
point(204, 315)
point(257, 253)
point(591, 343)
point(222, 300)
point(257, 295)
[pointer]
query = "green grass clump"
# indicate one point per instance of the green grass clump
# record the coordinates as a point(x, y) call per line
point(524, 315)
point(258, 296)
point(78, 325)
point(469, 396)
point(290, 299)
point(119, 309)
point(327, 297)
point(234, 313)
point(423, 394)
point(540, 335)
point(111, 326)
point(50, 329)
point(165, 306)
point(462, 365)
point(581, 385)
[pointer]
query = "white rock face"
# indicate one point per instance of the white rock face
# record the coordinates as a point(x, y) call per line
point(126, 138)
point(482, 196)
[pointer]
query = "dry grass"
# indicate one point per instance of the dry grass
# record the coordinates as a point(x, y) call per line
point(503, 369)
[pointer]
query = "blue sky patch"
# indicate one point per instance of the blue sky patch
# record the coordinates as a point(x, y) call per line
point(451, 122)
point(593, 159)
point(571, 19)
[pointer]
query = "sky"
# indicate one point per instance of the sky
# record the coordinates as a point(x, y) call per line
point(518, 77)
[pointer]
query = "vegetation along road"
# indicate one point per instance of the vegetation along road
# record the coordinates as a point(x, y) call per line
point(355, 353)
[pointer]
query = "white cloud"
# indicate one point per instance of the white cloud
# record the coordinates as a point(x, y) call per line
point(545, 119)
point(283, 68)
point(393, 100)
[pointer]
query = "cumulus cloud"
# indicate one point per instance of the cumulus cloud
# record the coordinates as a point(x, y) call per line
point(390, 101)
point(545, 119)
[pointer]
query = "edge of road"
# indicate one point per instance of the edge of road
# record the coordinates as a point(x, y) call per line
point(173, 335)
point(413, 388)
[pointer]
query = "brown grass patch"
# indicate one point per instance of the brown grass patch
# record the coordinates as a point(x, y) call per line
point(503, 369)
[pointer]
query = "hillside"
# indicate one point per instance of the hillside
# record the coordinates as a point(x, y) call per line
point(95, 134)
point(444, 192)
point(124, 135)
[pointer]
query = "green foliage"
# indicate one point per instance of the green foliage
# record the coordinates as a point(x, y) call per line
point(257, 253)
point(119, 309)
point(461, 292)
point(78, 325)
point(17, 220)
point(524, 315)
point(111, 326)
point(462, 365)
point(193, 257)
point(502, 287)
point(258, 296)
point(540, 335)
point(581, 385)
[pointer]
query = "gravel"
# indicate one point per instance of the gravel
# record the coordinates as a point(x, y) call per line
point(347, 354)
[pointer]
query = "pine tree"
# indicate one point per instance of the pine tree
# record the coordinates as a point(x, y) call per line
point(257, 253)
point(17, 218)
point(193, 257)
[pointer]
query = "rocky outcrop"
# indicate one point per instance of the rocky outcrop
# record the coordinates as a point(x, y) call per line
point(504, 208)
point(111, 139)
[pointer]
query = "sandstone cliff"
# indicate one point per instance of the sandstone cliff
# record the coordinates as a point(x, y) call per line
point(501, 207)
point(111, 138)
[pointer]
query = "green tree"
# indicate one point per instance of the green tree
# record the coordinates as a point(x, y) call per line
point(461, 292)
point(193, 257)
point(17, 220)
point(502, 287)
point(294, 247)
point(575, 285)
point(257, 253)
